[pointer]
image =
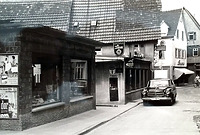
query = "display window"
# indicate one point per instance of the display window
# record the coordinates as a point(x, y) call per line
point(46, 80)
point(79, 78)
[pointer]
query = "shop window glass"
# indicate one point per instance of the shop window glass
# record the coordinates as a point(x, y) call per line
point(46, 76)
point(79, 78)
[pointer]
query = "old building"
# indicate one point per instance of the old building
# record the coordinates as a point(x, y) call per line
point(193, 45)
point(130, 29)
point(46, 74)
point(171, 52)
point(51, 76)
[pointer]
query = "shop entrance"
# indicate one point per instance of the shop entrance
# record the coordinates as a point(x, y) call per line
point(113, 83)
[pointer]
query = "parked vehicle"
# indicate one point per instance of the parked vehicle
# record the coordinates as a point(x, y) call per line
point(159, 90)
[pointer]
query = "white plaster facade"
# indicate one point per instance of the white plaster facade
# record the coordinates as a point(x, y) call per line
point(175, 54)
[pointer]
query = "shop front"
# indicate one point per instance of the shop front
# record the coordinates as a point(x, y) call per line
point(46, 75)
point(120, 80)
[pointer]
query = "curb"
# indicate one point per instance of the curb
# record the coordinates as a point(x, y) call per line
point(106, 121)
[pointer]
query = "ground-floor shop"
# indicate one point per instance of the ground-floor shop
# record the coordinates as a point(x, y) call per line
point(120, 80)
point(46, 75)
point(180, 75)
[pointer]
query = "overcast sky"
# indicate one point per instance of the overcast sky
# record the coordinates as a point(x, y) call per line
point(192, 5)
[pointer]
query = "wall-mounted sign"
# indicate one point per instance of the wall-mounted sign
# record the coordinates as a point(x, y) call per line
point(8, 103)
point(161, 48)
point(130, 63)
point(118, 48)
point(180, 63)
point(8, 69)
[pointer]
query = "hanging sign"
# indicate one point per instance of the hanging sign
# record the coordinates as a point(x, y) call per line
point(118, 48)
point(130, 63)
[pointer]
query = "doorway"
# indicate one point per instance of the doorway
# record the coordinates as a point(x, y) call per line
point(113, 83)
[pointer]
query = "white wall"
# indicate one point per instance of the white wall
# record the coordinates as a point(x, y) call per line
point(171, 44)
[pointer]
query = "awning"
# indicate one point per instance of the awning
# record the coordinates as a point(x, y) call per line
point(179, 71)
point(108, 59)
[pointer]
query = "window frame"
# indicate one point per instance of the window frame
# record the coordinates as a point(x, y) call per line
point(183, 36)
point(79, 81)
point(177, 34)
point(195, 50)
point(192, 35)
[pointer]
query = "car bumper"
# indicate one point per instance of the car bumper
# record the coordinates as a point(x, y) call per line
point(155, 98)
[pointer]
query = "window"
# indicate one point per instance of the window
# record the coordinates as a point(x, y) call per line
point(182, 35)
point(195, 51)
point(79, 78)
point(177, 34)
point(161, 54)
point(192, 35)
point(176, 53)
point(98, 51)
point(183, 54)
point(46, 80)
point(93, 23)
point(179, 53)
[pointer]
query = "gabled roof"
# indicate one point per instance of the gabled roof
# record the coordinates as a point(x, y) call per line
point(192, 17)
point(53, 13)
point(121, 20)
point(171, 18)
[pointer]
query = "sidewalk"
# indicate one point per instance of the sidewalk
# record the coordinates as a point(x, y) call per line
point(78, 124)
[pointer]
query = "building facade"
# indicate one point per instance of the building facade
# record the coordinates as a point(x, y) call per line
point(52, 74)
point(171, 51)
point(193, 45)
point(130, 30)
point(46, 76)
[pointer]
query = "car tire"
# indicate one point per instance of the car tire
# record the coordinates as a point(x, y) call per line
point(145, 103)
point(174, 101)
point(171, 102)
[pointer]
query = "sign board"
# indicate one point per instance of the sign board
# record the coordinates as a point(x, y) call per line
point(130, 63)
point(161, 48)
point(8, 103)
point(118, 48)
point(8, 69)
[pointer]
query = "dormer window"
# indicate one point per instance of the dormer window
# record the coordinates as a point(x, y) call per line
point(76, 24)
point(93, 23)
point(164, 28)
point(192, 35)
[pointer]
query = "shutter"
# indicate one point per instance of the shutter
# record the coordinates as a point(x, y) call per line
point(194, 35)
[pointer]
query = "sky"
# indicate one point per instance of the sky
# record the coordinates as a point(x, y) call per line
point(192, 5)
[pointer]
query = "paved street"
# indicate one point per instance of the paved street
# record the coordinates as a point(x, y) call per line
point(130, 119)
point(158, 119)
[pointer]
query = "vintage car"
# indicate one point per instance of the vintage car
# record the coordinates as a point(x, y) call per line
point(159, 90)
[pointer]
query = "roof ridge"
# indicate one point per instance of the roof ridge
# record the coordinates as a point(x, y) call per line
point(173, 10)
point(34, 1)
